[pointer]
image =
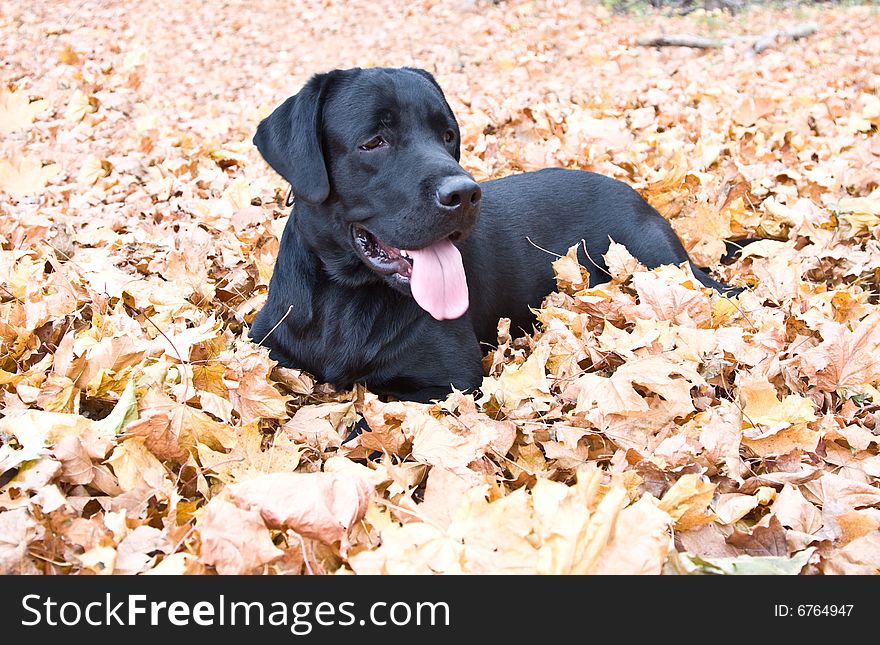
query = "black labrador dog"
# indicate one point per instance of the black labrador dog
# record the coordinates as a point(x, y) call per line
point(395, 265)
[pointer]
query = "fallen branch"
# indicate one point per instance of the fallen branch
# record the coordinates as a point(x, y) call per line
point(682, 40)
point(792, 33)
point(758, 43)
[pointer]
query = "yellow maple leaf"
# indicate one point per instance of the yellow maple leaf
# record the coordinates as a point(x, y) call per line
point(17, 110)
point(574, 523)
point(23, 176)
point(688, 500)
point(764, 414)
point(639, 544)
point(518, 383)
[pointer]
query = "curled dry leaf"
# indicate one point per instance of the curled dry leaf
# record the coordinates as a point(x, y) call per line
point(323, 506)
point(234, 540)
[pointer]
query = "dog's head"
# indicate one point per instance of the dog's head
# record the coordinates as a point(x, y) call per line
point(376, 151)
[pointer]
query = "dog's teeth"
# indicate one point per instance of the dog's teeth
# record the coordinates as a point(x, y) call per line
point(404, 253)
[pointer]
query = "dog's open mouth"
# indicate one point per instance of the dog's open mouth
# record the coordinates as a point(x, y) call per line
point(435, 273)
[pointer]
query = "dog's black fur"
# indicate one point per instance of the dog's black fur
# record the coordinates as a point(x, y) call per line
point(372, 155)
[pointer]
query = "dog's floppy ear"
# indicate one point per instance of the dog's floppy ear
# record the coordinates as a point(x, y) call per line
point(430, 77)
point(290, 141)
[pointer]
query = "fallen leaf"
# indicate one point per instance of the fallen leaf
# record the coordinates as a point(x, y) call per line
point(323, 506)
point(17, 529)
point(23, 176)
point(17, 111)
point(764, 414)
point(762, 541)
point(859, 557)
point(234, 540)
point(687, 502)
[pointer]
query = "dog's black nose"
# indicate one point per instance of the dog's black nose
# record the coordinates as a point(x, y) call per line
point(458, 193)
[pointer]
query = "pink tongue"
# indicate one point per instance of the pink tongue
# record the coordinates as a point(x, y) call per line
point(438, 282)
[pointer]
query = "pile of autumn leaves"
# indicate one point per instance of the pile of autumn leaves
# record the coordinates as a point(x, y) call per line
point(648, 426)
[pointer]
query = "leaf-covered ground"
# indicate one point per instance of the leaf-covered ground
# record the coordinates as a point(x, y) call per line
point(648, 425)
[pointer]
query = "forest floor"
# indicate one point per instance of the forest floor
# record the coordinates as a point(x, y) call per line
point(647, 426)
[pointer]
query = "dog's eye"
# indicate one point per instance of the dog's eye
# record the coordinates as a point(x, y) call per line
point(372, 144)
point(448, 136)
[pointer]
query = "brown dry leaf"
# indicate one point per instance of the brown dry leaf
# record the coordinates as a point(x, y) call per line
point(703, 233)
point(572, 524)
point(839, 495)
point(109, 356)
point(556, 529)
point(322, 426)
point(386, 421)
point(250, 390)
point(437, 444)
point(413, 548)
point(17, 529)
point(762, 541)
point(670, 380)
point(732, 507)
point(721, 435)
point(793, 510)
point(173, 429)
point(444, 491)
point(671, 294)
point(570, 275)
point(609, 395)
point(138, 550)
point(323, 506)
point(494, 534)
point(250, 458)
point(855, 524)
point(845, 360)
point(234, 540)
point(862, 213)
point(521, 383)
point(76, 464)
point(859, 557)
point(136, 467)
point(639, 544)
point(177, 564)
point(785, 441)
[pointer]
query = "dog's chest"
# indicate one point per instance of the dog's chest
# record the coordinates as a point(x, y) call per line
point(353, 333)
